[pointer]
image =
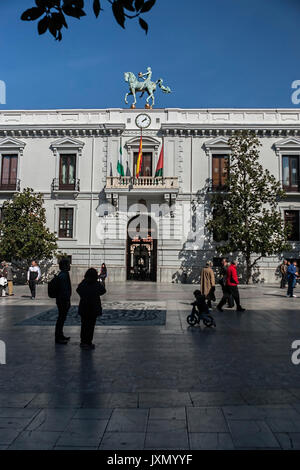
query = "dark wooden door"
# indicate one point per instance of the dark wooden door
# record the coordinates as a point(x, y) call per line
point(146, 169)
point(9, 172)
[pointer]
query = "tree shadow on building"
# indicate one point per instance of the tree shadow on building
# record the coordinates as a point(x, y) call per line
point(198, 248)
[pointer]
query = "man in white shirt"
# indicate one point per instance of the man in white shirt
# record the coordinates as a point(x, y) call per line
point(33, 276)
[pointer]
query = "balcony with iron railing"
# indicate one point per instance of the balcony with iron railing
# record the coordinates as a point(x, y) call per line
point(58, 186)
point(291, 188)
point(148, 183)
point(213, 187)
point(10, 186)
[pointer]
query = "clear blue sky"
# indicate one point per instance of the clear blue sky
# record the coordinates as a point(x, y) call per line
point(212, 53)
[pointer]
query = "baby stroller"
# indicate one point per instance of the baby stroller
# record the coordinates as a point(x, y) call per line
point(195, 317)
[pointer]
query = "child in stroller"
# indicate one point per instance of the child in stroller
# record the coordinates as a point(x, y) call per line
point(200, 311)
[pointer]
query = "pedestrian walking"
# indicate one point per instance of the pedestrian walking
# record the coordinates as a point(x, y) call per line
point(291, 278)
point(9, 276)
point(222, 281)
point(103, 274)
point(223, 273)
point(90, 307)
point(232, 283)
point(63, 300)
point(33, 277)
point(208, 283)
point(283, 272)
point(3, 280)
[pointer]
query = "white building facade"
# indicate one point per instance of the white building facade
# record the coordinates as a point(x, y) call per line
point(142, 228)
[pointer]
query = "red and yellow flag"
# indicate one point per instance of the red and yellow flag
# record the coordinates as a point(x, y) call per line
point(140, 159)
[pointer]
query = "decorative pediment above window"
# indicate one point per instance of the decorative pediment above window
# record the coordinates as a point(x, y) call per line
point(12, 144)
point(148, 143)
point(67, 143)
point(219, 143)
point(290, 143)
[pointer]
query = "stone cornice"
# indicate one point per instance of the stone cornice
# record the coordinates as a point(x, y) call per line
point(193, 130)
point(56, 131)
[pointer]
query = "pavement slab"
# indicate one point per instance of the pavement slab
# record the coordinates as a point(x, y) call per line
point(155, 386)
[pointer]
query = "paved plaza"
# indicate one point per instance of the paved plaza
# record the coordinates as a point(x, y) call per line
point(157, 386)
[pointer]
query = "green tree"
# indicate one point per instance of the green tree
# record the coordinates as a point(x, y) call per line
point(23, 232)
point(247, 210)
point(52, 13)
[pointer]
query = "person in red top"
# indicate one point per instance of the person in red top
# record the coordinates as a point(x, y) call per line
point(232, 282)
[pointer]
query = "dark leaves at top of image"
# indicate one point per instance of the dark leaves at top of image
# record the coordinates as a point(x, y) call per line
point(32, 14)
point(97, 7)
point(139, 4)
point(144, 25)
point(73, 8)
point(128, 5)
point(118, 11)
point(147, 6)
point(53, 13)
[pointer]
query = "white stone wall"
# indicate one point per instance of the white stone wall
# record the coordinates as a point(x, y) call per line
point(190, 137)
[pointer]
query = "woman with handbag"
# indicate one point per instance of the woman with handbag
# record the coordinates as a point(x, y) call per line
point(90, 307)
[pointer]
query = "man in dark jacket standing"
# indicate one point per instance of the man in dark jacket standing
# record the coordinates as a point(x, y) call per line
point(232, 287)
point(64, 292)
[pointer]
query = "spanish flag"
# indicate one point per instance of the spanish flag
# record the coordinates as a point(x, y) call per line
point(140, 159)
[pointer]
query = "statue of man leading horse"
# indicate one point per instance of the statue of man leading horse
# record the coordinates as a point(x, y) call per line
point(145, 86)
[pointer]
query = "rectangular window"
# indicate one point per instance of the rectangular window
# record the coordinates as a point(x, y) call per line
point(219, 171)
point(292, 218)
point(290, 172)
point(9, 172)
point(146, 169)
point(66, 217)
point(67, 172)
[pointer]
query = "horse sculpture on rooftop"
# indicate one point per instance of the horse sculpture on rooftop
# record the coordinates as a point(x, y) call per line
point(146, 86)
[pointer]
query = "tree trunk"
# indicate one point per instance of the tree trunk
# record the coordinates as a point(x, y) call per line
point(248, 268)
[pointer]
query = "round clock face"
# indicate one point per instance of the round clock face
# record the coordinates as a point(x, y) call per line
point(143, 121)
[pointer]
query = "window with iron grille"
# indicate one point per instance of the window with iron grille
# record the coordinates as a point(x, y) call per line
point(292, 218)
point(66, 217)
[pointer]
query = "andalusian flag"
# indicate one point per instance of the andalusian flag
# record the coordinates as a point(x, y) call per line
point(140, 159)
point(160, 164)
point(120, 167)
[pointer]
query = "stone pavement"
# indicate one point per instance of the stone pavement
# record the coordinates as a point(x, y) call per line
point(153, 387)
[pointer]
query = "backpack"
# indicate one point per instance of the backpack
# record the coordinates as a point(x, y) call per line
point(53, 287)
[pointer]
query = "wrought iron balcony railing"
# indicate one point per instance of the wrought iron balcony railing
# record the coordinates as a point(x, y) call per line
point(10, 186)
point(144, 182)
point(59, 186)
point(291, 188)
point(217, 188)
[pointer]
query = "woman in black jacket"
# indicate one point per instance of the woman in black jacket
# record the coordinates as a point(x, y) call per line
point(90, 307)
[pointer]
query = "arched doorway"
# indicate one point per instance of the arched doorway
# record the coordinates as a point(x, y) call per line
point(142, 249)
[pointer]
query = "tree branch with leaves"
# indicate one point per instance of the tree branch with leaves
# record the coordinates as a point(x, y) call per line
point(52, 13)
point(24, 235)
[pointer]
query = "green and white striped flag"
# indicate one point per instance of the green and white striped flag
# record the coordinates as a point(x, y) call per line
point(120, 167)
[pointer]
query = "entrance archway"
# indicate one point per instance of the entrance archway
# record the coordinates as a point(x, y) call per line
point(142, 249)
